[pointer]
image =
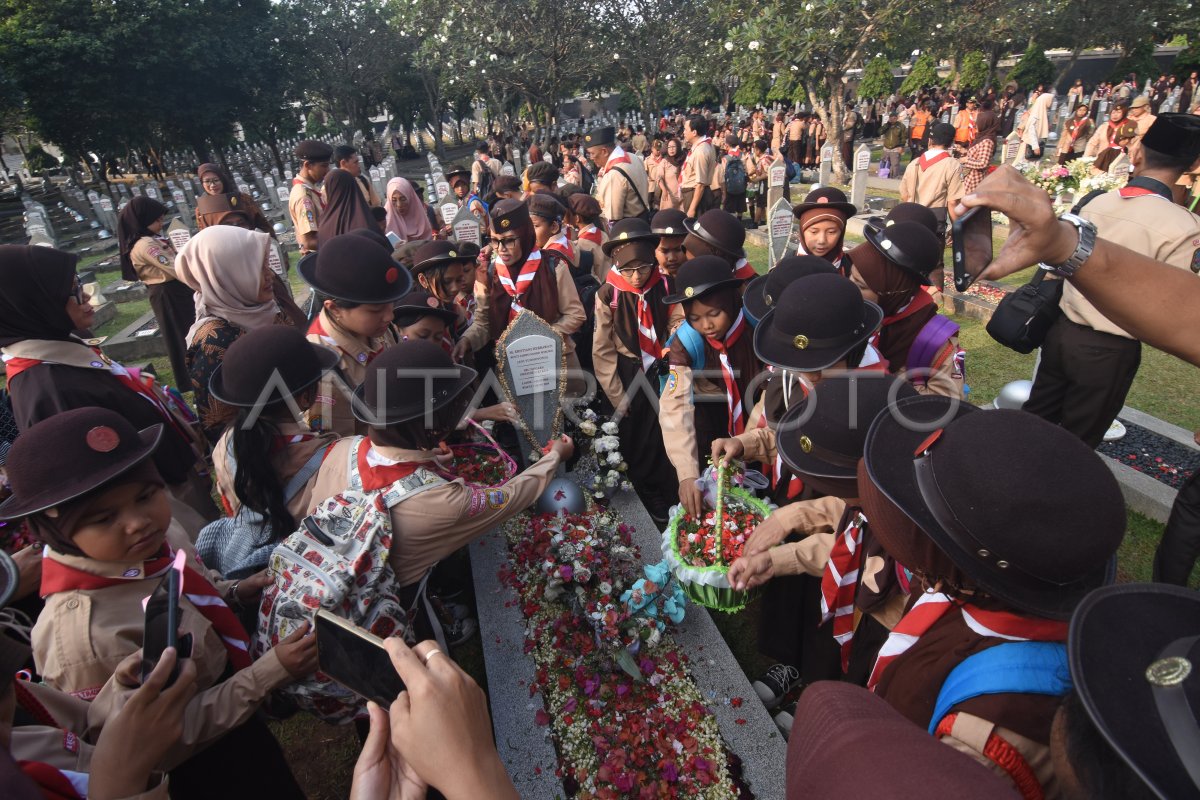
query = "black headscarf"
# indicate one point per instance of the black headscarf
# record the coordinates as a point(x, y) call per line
point(345, 207)
point(133, 223)
point(35, 284)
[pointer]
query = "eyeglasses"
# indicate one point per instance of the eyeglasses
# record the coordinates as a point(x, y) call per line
point(505, 242)
point(211, 181)
point(628, 271)
point(77, 291)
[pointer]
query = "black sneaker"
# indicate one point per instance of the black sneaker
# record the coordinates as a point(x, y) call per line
point(772, 687)
point(785, 718)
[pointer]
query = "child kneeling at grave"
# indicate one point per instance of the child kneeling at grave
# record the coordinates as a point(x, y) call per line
point(85, 481)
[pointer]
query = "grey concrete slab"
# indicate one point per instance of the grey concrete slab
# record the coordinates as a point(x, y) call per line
point(1142, 493)
point(1164, 429)
point(748, 731)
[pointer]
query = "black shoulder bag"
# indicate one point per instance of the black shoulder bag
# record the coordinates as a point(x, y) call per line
point(646, 214)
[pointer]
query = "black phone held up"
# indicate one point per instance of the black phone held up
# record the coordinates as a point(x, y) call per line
point(355, 658)
point(162, 625)
point(971, 243)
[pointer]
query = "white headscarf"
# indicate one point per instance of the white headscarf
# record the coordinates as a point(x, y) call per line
point(224, 266)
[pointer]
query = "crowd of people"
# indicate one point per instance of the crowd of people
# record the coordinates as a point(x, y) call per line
point(951, 568)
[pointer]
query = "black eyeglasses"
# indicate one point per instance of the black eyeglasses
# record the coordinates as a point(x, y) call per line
point(628, 271)
point(77, 291)
point(505, 242)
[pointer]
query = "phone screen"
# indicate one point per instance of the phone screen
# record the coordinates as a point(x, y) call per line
point(971, 239)
point(162, 625)
point(355, 658)
point(394, 238)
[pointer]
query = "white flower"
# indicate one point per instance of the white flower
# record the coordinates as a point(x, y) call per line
point(610, 428)
point(626, 486)
point(605, 587)
point(472, 62)
point(729, 45)
point(808, 6)
point(614, 458)
point(534, 455)
point(754, 44)
point(588, 428)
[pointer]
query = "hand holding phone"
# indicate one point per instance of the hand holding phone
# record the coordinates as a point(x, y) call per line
point(162, 626)
point(971, 242)
point(356, 659)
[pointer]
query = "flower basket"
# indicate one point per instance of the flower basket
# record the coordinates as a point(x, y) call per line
point(481, 464)
point(699, 555)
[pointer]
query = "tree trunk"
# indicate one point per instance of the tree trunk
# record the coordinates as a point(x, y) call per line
point(831, 112)
point(993, 59)
point(1062, 73)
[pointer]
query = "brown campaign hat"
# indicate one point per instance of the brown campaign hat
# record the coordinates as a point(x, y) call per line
point(1037, 533)
point(1134, 651)
point(815, 323)
point(267, 364)
point(355, 269)
point(458, 173)
point(1141, 101)
point(910, 246)
point(509, 214)
point(719, 229)
point(700, 276)
point(583, 204)
point(407, 379)
point(627, 231)
point(74, 452)
point(437, 252)
point(420, 303)
point(828, 198)
point(763, 292)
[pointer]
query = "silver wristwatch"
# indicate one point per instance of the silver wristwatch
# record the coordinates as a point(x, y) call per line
point(1083, 250)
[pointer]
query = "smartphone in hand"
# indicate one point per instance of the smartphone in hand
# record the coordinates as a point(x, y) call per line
point(355, 658)
point(162, 625)
point(971, 242)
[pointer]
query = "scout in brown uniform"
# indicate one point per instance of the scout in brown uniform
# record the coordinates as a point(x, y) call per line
point(270, 376)
point(933, 179)
point(670, 252)
point(699, 167)
point(823, 216)
point(719, 233)
point(305, 203)
point(523, 277)
point(149, 257)
point(346, 158)
point(622, 187)
point(110, 539)
point(1001, 549)
point(713, 370)
point(217, 184)
point(397, 399)
point(1088, 363)
point(632, 325)
point(590, 231)
point(440, 268)
point(355, 319)
point(891, 268)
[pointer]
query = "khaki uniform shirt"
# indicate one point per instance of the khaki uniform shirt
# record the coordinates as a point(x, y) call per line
point(82, 635)
point(699, 166)
point(433, 524)
point(153, 260)
point(639, 143)
point(1150, 225)
point(305, 204)
point(492, 164)
point(332, 412)
point(1143, 124)
point(571, 312)
point(617, 195)
point(940, 186)
point(287, 462)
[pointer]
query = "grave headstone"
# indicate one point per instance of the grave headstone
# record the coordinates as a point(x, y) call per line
point(442, 187)
point(780, 223)
point(179, 234)
point(858, 183)
point(449, 212)
point(466, 227)
point(826, 174)
point(529, 355)
point(776, 180)
point(1012, 147)
point(507, 169)
point(275, 261)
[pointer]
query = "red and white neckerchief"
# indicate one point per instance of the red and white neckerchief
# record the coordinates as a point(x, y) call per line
point(467, 302)
point(591, 234)
point(59, 577)
point(312, 191)
point(54, 783)
point(688, 157)
point(839, 583)
point(744, 270)
point(516, 287)
point(932, 606)
point(647, 335)
point(926, 162)
point(618, 156)
point(837, 262)
point(1079, 124)
point(377, 471)
point(733, 395)
point(563, 245)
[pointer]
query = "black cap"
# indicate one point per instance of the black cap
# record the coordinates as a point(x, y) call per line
point(825, 198)
point(406, 377)
point(816, 321)
point(313, 150)
point(509, 214)
point(906, 212)
point(437, 252)
point(542, 172)
point(719, 229)
point(626, 231)
point(600, 136)
point(420, 303)
point(1175, 135)
point(506, 183)
point(458, 171)
point(700, 276)
point(546, 205)
point(355, 269)
point(276, 357)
